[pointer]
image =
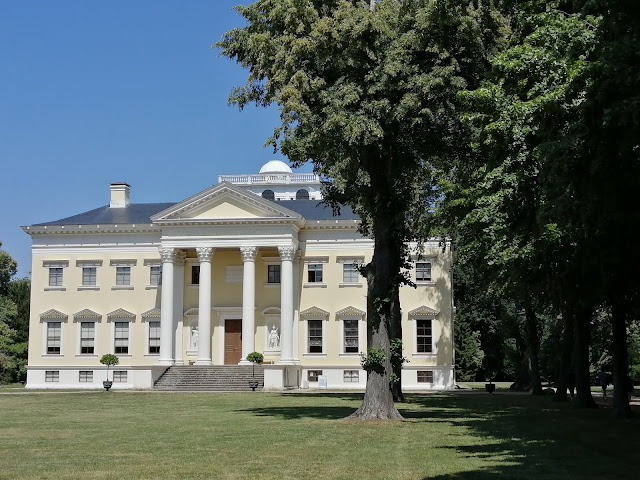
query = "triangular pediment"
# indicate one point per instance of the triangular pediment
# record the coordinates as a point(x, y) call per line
point(350, 312)
point(423, 311)
point(53, 314)
point(86, 313)
point(314, 312)
point(121, 313)
point(153, 313)
point(224, 201)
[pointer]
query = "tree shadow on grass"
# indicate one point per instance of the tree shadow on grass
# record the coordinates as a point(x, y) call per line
point(524, 437)
point(506, 436)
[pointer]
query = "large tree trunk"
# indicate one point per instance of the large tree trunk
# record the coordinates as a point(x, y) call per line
point(564, 377)
point(533, 344)
point(381, 274)
point(621, 407)
point(396, 333)
point(583, 398)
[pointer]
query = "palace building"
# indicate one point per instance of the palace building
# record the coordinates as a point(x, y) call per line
point(254, 263)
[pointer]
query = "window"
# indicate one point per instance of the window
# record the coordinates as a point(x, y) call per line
point(155, 275)
point(154, 337)
point(52, 376)
point(87, 337)
point(119, 376)
point(273, 273)
point(121, 343)
point(86, 376)
point(351, 376)
point(423, 337)
point(55, 277)
point(350, 273)
point(351, 336)
point(195, 275)
point(89, 275)
point(314, 271)
point(315, 336)
point(54, 330)
point(312, 375)
point(269, 195)
point(123, 275)
point(423, 271)
point(425, 376)
point(302, 194)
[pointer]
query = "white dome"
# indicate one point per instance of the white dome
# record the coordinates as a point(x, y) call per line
point(275, 166)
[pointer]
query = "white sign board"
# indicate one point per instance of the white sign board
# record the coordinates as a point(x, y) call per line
point(322, 381)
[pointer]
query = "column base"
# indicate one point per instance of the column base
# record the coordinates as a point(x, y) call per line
point(244, 361)
point(287, 361)
point(203, 361)
point(165, 362)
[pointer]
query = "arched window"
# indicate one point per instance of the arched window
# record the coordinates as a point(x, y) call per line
point(269, 195)
point(302, 194)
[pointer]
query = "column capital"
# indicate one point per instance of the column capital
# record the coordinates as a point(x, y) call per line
point(205, 253)
point(248, 253)
point(169, 255)
point(287, 252)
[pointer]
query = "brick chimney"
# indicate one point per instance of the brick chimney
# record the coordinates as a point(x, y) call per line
point(119, 195)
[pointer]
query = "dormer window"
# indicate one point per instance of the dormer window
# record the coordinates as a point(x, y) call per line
point(302, 194)
point(269, 195)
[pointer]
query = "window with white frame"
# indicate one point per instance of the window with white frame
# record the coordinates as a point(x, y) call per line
point(425, 376)
point(423, 271)
point(154, 338)
point(314, 273)
point(89, 276)
point(155, 275)
point(315, 335)
point(424, 339)
point(312, 375)
point(351, 376)
point(123, 275)
point(121, 337)
point(350, 273)
point(119, 376)
point(55, 277)
point(87, 337)
point(351, 337)
point(85, 376)
point(273, 273)
point(52, 376)
point(54, 333)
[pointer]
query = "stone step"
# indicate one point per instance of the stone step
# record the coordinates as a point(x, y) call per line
point(210, 378)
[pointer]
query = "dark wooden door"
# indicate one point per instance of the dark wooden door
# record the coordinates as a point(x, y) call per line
point(232, 341)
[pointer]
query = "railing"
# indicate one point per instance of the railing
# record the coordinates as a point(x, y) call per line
point(262, 178)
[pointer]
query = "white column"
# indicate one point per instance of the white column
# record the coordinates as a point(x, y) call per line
point(204, 306)
point(286, 304)
point(248, 302)
point(296, 307)
point(168, 256)
point(178, 306)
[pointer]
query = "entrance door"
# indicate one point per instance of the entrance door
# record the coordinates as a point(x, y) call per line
point(232, 341)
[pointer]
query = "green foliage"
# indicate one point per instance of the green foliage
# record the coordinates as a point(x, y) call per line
point(397, 355)
point(374, 359)
point(14, 322)
point(255, 357)
point(109, 359)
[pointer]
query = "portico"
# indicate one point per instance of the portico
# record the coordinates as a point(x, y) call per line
point(226, 218)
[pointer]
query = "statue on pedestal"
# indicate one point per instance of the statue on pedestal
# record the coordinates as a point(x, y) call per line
point(194, 338)
point(274, 338)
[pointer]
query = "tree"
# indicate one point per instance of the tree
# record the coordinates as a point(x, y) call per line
point(367, 92)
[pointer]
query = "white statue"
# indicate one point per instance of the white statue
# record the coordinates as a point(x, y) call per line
point(274, 338)
point(194, 338)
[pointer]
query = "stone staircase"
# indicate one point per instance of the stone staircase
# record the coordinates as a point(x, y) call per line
point(210, 378)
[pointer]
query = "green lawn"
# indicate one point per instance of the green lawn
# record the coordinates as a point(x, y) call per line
point(465, 436)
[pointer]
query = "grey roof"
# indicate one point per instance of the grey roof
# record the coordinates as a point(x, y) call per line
point(142, 213)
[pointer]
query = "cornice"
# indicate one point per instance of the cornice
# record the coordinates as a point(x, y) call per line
point(121, 313)
point(153, 313)
point(314, 312)
point(86, 313)
point(423, 311)
point(90, 229)
point(350, 311)
point(53, 314)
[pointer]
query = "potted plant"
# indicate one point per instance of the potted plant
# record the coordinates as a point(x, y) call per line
point(254, 357)
point(108, 360)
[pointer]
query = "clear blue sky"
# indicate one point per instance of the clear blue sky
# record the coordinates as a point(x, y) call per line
point(93, 92)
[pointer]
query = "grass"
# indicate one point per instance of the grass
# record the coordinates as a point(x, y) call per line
point(447, 436)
